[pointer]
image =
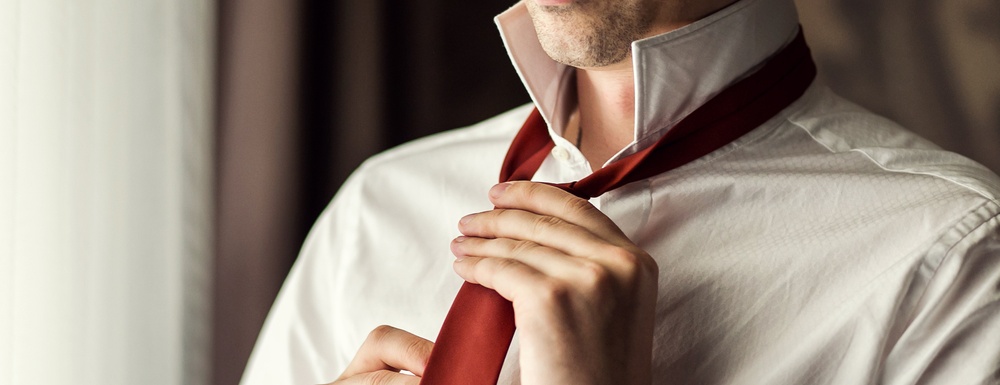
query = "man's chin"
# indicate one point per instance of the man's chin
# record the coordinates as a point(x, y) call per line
point(553, 4)
point(585, 60)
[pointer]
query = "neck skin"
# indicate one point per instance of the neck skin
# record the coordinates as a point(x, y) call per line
point(605, 110)
point(606, 95)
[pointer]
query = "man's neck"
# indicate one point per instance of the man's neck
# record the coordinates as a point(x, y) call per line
point(605, 111)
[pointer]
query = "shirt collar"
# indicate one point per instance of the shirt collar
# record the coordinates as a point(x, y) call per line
point(675, 72)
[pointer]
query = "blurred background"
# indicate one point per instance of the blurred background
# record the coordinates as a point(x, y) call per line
point(162, 161)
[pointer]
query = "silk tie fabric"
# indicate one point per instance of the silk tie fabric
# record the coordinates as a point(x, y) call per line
point(476, 334)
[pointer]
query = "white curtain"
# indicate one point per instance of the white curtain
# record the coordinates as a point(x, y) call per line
point(105, 191)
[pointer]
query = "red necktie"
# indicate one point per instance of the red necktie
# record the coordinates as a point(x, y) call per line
point(476, 334)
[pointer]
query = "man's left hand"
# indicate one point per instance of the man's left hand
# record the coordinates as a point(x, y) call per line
point(584, 295)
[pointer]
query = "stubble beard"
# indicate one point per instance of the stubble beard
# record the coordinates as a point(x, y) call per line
point(590, 34)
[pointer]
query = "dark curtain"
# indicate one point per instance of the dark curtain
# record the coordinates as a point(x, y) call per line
point(930, 65)
point(310, 88)
point(307, 90)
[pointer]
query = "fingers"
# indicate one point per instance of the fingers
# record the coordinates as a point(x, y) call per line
point(551, 233)
point(548, 261)
point(544, 230)
point(389, 349)
point(510, 278)
point(579, 287)
point(514, 269)
point(543, 199)
point(379, 377)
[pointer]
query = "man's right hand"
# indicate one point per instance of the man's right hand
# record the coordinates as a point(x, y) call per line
point(384, 353)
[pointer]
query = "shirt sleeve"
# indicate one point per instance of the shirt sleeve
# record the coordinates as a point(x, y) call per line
point(952, 333)
point(298, 343)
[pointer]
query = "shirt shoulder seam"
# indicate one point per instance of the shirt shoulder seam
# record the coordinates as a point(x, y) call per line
point(871, 159)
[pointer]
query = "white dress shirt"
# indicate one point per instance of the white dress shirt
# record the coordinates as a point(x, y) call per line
point(826, 246)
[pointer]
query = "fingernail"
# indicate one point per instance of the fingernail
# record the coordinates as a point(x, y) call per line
point(499, 189)
point(460, 239)
point(459, 259)
point(465, 219)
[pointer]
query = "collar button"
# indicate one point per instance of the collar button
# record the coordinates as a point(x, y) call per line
point(560, 153)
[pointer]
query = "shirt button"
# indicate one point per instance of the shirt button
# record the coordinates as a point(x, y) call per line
point(560, 153)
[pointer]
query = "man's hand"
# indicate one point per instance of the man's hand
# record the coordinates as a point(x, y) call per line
point(384, 353)
point(584, 295)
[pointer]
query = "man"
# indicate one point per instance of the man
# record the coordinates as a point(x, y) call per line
point(826, 245)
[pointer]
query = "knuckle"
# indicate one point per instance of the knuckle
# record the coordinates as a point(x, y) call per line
point(495, 271)
point(418, 350)
point(544, 222)
point(521, 248)
point(501, 215)
point(633, 265)
point(379, 333)
point(578, 206)
point(554, 293)
point(488, 269)
point(623, 258)
point(378, 377)
point(646, 264)
point(649, 265)
point(595, 277)
point(504, 264)
point(528, 191)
